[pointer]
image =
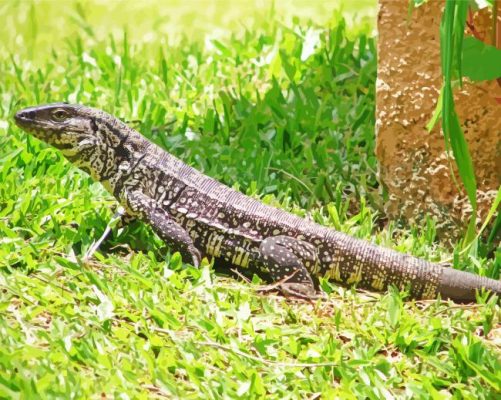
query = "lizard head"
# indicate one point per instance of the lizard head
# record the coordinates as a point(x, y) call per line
point(64, 126)
point(90, 138)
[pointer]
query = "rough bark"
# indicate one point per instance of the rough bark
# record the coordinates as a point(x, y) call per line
point(414, 166)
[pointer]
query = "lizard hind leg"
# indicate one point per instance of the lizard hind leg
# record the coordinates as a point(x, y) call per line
point(285, 259)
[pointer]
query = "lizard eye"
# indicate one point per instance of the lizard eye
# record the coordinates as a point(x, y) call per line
point(59, 115)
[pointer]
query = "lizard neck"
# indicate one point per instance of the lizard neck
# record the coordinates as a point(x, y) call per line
point(114, 154)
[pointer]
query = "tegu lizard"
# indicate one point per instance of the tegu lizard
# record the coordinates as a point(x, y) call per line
point(198, 216)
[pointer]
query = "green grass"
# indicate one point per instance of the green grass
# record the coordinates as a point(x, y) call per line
point(225, 89)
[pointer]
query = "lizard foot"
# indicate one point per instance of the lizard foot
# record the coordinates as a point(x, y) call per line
point(299, 290)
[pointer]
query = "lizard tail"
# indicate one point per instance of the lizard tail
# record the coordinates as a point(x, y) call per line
point(461, 286)
point(372, 267)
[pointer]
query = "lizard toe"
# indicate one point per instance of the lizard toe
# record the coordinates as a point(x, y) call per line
point(299, 290)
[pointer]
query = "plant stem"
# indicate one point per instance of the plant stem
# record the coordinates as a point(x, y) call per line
point(495, 23)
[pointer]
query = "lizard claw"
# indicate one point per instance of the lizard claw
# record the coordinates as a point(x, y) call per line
point(298, 290)
point(195, 256)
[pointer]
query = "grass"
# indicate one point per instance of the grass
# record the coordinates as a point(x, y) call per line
point(230, 90)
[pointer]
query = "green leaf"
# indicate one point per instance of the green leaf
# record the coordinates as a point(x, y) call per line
point(394, 307)
point(437, 113)
point(459, 24)
point(497, 222)
point(414, 4)
point(451, 37)
point(454, 133)
point(480, 61)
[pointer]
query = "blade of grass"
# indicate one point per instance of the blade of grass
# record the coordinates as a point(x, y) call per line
point(494, 22)
point(459, 25)
point(451, 38)
point(497, 223)
point(437, 113)
point(495, 226)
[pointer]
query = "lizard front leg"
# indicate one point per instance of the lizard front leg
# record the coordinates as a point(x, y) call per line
point(285, 259)
point(173, 234)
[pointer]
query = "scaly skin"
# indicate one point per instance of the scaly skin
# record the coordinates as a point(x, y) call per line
point(199, 216)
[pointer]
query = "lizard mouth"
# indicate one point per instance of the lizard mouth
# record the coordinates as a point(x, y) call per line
point(24, 119)
point(27, 120)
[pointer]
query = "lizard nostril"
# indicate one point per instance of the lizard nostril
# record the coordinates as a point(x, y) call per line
point(25, 115)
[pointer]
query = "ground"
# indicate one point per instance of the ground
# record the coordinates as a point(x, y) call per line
point(277, 101)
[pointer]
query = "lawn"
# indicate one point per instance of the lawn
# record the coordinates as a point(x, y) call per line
point(276, 100)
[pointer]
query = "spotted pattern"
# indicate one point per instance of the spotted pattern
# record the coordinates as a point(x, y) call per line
point(286, 260)
point(169, 230)
point(201, 217)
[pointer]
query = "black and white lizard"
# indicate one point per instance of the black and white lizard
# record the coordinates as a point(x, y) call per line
point(198, 216)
